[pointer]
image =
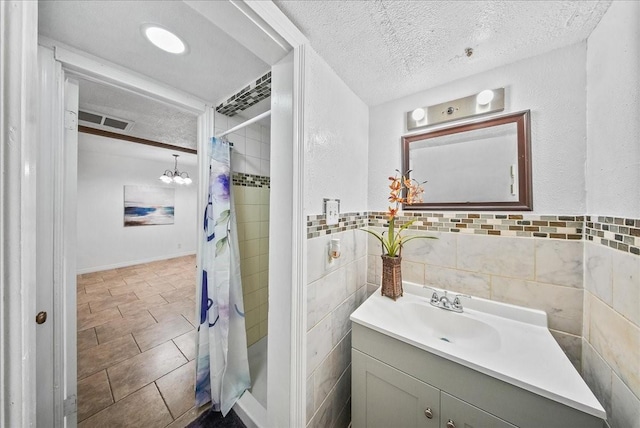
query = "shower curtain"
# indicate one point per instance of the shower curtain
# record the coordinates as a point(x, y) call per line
point(222, 367)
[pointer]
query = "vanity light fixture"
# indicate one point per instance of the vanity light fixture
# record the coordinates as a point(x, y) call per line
point(164, 39)
point(487, 101)
point(175, 176)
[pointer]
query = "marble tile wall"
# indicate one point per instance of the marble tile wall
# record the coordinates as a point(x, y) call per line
point(252, 217)
point(335, 288)
point(587, 279)
point(539, 273)
point(611, 330)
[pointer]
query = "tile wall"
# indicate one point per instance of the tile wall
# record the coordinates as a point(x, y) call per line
point(583, 271)
point(539, 273)
point(251, 189)
point(335, 289)
point(252, 215)
point(611, 330)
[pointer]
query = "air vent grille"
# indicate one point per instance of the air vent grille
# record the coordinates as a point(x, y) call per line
point(101, 121)
point(90, 117)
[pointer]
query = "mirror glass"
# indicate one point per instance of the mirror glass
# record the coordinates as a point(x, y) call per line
point(483, 165)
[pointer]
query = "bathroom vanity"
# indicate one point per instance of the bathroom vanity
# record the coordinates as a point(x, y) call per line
point(493, 365)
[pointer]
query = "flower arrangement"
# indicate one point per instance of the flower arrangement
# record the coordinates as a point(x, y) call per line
point(403, 191)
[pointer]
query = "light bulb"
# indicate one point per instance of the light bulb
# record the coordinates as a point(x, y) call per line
point(187, 180)
point(418, 114)
point(485, 97)
point(164, 39)
point(178, 179)
point(165, 179)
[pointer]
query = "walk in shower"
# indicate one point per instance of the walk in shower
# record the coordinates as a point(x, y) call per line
point(250, 165)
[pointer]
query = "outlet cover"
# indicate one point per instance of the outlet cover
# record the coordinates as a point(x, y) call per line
point(332, 211)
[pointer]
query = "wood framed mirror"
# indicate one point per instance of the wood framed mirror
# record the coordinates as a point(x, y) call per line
point(483, 165)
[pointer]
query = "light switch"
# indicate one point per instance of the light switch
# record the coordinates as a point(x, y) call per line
point(332, 211)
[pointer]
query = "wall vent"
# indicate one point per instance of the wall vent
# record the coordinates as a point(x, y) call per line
point(93, 119)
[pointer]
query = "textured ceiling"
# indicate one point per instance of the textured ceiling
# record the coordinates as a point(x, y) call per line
point(385, 50)
point(153, 120)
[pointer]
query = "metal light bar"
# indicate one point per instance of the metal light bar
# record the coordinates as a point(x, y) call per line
point(488, 101)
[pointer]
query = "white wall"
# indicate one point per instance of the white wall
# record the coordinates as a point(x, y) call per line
point(336, 140)
point(336, 134)
point(552, 86)
point(103, 241)
point(613, 113)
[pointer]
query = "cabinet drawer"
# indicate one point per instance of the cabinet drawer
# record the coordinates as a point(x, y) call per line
point(384, 397)
point(460, 414)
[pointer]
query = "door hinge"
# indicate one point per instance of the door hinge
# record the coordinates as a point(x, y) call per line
point(70, 405)
point(70, 120)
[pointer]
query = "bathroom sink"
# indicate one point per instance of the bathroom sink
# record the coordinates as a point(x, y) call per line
point(507, 342)
point(456, 329)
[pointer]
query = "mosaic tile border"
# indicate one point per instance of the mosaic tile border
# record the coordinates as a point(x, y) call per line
point(247, 96)
point(615, 232)
point(622, 234)
point(250, 180)
point(317, 224)
point(521, 225)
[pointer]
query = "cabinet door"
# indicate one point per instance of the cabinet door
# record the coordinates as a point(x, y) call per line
point(385, 397)
point(456, 413)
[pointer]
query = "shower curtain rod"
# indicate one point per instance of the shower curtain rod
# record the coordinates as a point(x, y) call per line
point(243, 124)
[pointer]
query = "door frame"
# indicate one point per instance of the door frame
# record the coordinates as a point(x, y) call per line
point(288, 406)
point(18, 169)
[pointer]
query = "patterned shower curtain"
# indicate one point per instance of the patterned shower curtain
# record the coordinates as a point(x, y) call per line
point(222, 367)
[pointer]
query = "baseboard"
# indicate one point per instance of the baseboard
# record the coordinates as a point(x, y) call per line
point(132, 262)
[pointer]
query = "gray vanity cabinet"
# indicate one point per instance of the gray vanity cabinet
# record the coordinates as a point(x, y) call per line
point(384, 397)
point(394, 383)
point(460, 414)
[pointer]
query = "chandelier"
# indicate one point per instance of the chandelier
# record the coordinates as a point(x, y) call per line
point(175, 176)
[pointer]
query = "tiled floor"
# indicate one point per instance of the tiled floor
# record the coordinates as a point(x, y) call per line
point(136, 332)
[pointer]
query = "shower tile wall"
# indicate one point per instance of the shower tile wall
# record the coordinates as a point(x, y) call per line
point(252, 213)
point(251, 170)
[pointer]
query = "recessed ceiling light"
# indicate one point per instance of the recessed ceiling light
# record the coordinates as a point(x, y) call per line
point(164, 39)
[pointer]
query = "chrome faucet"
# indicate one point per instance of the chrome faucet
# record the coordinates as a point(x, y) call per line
point(445, 302)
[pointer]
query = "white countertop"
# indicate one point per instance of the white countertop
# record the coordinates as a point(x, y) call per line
point(525, 354)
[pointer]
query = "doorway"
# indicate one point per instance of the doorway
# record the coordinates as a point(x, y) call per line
point(206, 123)
point(136, 263)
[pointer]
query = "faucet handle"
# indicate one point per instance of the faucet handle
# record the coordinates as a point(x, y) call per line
point(457, 303)
point(434, 297)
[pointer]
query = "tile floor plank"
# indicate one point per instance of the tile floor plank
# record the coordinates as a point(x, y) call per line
point(123, 326)
point(136, 372)
point(144, 408)
point(161, 332)
point(86, 339)
point(187, 344)
point(94, 394)
point(178, 389)
point(100, 357)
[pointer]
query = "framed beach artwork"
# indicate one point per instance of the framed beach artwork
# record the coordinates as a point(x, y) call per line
point(148, 205)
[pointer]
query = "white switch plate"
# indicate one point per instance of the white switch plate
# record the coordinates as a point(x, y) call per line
point(332, 211)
